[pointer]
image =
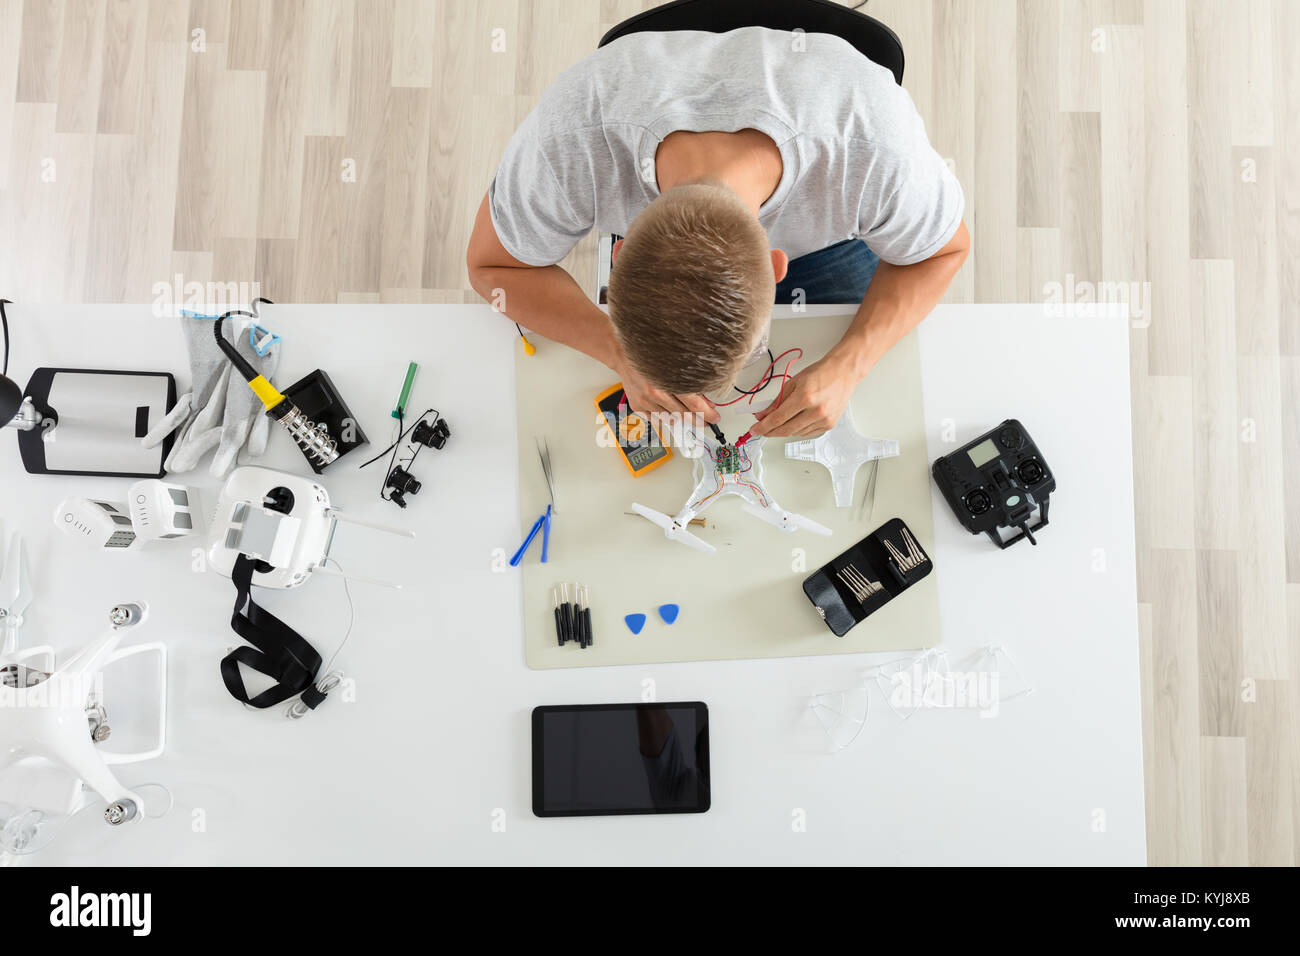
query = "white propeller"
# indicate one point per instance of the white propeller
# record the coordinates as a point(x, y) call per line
point(785, 520)
point(672, 530)
point(15, 592)
point(807, 524)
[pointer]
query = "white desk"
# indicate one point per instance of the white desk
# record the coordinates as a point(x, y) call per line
point(431, 763)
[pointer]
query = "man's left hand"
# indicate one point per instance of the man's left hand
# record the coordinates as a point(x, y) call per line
point(812, 403)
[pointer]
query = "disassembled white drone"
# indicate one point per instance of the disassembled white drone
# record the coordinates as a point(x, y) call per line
point(722, 469)
point(842, 451)
point(54, 718)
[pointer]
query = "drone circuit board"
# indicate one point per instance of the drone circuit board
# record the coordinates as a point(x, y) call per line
point(728, 461)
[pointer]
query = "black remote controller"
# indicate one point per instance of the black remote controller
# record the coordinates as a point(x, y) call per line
point(997, 481)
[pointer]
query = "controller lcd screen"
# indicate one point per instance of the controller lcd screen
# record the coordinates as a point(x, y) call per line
point(983, 453)
point(605, 759)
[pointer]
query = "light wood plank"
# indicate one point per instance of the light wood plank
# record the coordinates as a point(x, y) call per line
point(402, 252)
point(81, 65)
point(125, 31)
point(1216, 420)
point(283, 124)
point(952, 127)
point(1286, 102)
point(1250, 30)
point(1220, 653)
point(1209, 126)
point(1123, 172)
point(1176, 839)
point(1164, 45)
point(169, 20)
point(994, 227)
point(1290, 386)
point(329, 66)
point(362, 196)
point(38, 57)
point(1223, 801)
point(11, 35)
point(253, 43)
point(1270, 772)
point(1164, 466)
point(1254, 251)
point(1038, 174)
point(1038, 263)
point(1263, 551)
point(1081, 202)
point(414, 23)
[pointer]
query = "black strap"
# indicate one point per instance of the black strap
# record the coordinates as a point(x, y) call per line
point(278, 650)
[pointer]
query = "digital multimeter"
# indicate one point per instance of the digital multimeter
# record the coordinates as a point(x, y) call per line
point(997, 481)
point(639, 444)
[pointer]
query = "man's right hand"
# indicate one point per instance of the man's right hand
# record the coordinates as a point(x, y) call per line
point(647, 399)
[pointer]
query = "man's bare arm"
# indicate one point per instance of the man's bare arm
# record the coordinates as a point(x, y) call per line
point(898, 298)
point(547, 300)
point(544, 298)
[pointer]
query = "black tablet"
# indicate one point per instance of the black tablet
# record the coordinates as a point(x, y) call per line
point(607, 759)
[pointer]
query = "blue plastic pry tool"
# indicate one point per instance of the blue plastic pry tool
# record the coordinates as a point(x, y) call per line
point(669, 612)
point(544, 521)
point(635, 622)
point(546, 532)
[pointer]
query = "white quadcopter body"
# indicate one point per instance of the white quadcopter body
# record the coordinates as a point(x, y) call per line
point(721, 470)
point(55, 718)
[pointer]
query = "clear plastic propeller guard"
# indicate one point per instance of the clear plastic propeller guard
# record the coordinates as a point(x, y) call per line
point(718, 474)
point(842, 451)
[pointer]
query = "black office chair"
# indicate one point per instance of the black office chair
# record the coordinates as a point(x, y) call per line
point(870, 37)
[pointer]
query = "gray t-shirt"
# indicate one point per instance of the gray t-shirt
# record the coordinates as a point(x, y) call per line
point(856, 159)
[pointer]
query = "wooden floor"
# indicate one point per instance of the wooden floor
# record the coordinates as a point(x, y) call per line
point(335, 150)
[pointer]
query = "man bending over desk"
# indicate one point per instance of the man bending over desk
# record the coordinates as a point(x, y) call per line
point(742, 169)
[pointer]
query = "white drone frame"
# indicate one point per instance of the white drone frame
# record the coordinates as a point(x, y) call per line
point(712, 484)
point(54, 713)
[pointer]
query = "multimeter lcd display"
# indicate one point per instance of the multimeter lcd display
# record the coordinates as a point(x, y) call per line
point(983, 453)
point(640, 457)
point(603, 759)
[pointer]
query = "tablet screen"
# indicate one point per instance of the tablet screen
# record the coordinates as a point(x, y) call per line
point(599, 759)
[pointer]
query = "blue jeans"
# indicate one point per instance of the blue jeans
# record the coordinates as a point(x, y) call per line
point(836, 275)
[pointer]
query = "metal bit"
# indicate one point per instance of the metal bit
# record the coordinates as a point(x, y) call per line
point(862, 588)
point(908, 560)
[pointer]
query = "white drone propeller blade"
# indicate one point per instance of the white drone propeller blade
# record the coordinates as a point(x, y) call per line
point(685, 537)
point(807, 524)
point(785, 520)
point(672, 530)
point(15, 585)
point(773, 516)
point(658, 517)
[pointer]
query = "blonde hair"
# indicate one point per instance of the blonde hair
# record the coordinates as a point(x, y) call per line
point(692, 288)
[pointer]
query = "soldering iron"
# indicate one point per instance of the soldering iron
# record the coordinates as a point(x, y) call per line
point(316, 443)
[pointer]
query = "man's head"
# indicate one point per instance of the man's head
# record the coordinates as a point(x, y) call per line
point(692, 288)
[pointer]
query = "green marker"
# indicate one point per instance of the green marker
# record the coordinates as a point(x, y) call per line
point(402, 399)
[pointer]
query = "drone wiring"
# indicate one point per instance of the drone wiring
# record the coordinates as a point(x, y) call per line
point(716, 491)
point(766, 380)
